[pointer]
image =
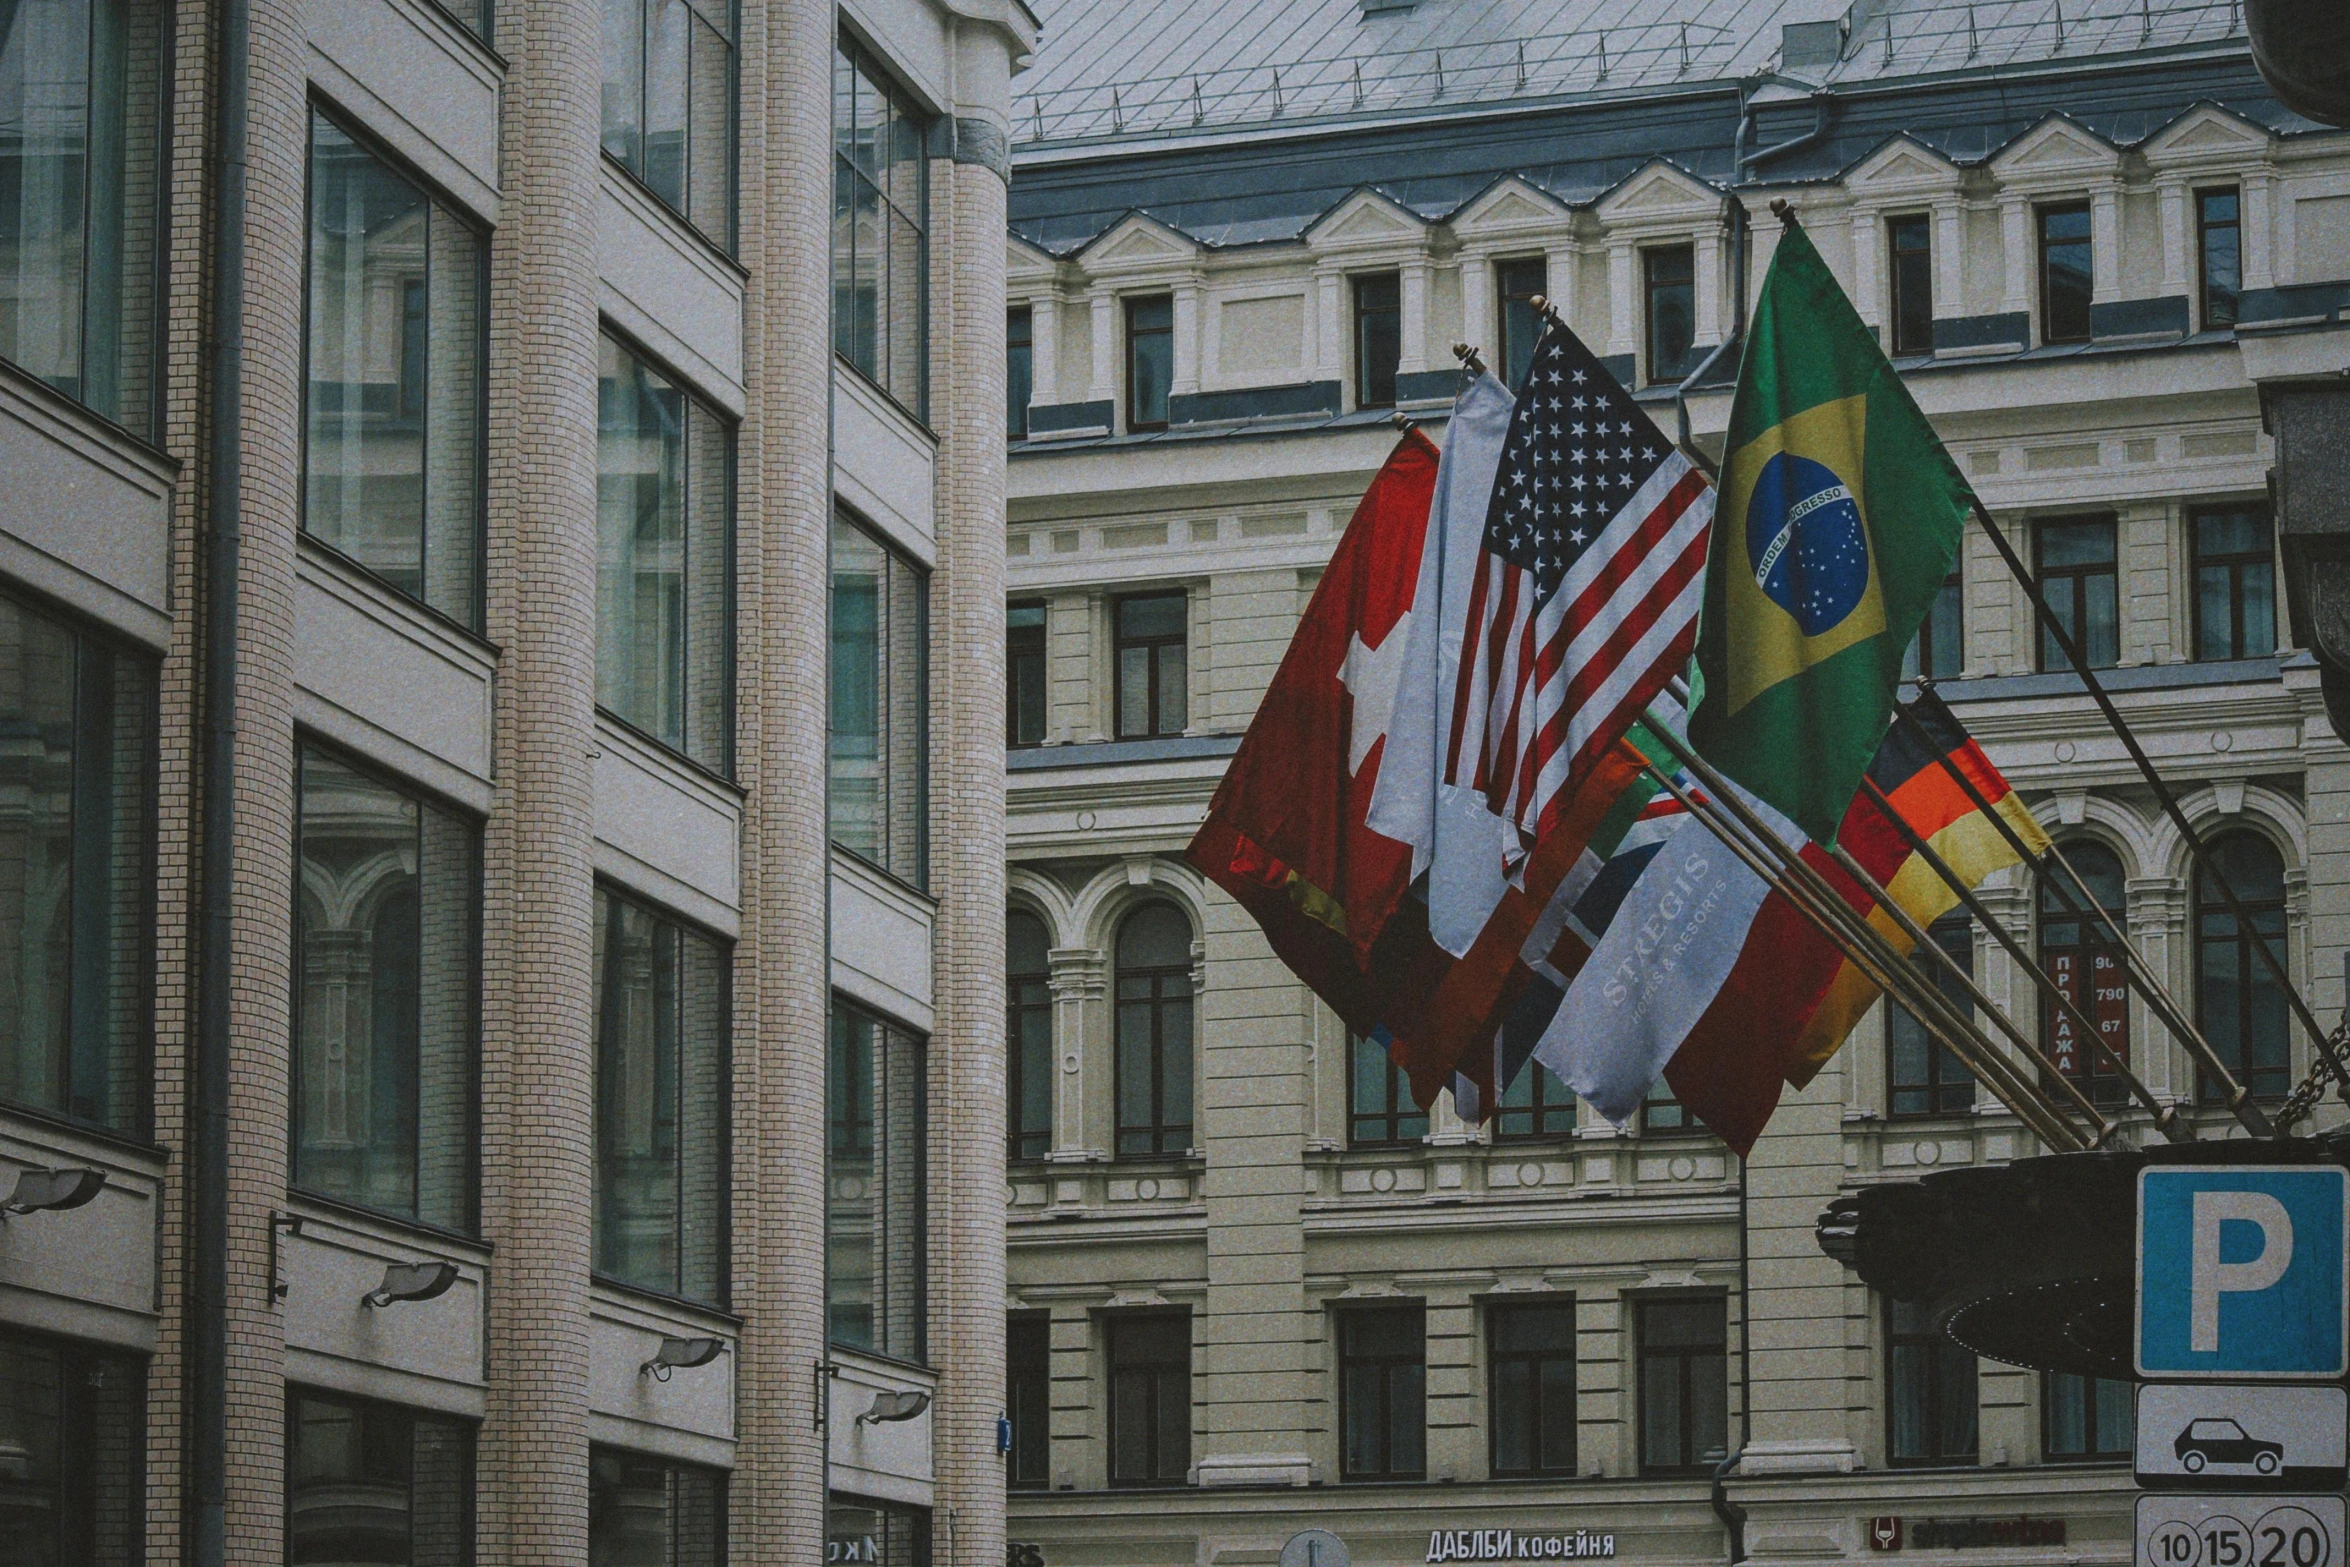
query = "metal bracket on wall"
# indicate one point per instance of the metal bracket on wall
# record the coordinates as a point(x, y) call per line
point(825, 1372)
point(286, 1224)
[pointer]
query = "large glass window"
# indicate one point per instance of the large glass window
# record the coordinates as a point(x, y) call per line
point(1383, 1393)
point(880, 212)
point(669, 104)
point(81, 143)
point(1661, 1112)
point(2219, 255)
point(1019, 367)
point(880, 685)
point(1536, 1104)
point(653, 1512)
point(73, 1441)
point(2067, 277)
point(1930, 1398)
point(661, 1103)
point(387, 920)
point(1153, 684)
point(1024, 674)
point(2086, 1418)
point(1909, 248)
point(1517, 284)
point(1150, 360)
point(1150, 1398)
point(1938, 651)
point(2238, 1003)
point(1380, 1111)
point(1922, 1077)
point(376, 1485)
point(392, 435)
point(1684, 1386)
point(2079, 957)
point(1028, 1390)
point(876, 1534)
point(875, 1239)
point(664, 560)
point(1530, 1360)
point(2235, 581)
point(1378, 338)
point(1668, 276)
point(1154, 1032)
point(1028, 1033)
point(76, 871)
point(2076, 568)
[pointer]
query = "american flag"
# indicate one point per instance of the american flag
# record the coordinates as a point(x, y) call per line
point(1587, 587)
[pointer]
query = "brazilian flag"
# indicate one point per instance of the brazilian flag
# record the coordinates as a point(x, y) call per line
point(1838, 516)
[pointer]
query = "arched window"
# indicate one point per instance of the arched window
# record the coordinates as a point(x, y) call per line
point(2238, 1003)
point(1154, 1031)
point(2078, 953)
point(1028, 1035)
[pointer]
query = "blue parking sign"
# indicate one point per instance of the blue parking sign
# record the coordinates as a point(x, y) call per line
point(2240, 1270)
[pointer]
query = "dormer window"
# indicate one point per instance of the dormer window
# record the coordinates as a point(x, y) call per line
point(1150, 361)
point(1669, 278)
point(1378, 338)
point(1909, 247)
point(2066, 275)
point(2219, 255)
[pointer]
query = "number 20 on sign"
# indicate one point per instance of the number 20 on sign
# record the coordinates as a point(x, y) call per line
point(2239, 1531)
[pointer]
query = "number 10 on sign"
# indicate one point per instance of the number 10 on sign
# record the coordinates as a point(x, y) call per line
point(2240, 1531)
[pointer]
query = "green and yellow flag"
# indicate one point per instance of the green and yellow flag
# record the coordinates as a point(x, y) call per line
point(1838, 517)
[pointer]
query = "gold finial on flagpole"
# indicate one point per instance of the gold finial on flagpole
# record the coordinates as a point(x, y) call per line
point(1467, 354)
point(1784, 211)
point(1546, 310)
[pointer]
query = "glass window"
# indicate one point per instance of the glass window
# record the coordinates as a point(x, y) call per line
point(880, 687)
point(880, 215)
point(1669, 281)
point(2067, 278)
point(1518, 283)
point(1019, 368)
point(2238, 1003)
point(392, 435)
point(2079, 956)
point(1028, 1391)
point(1929, 1391)
point(2235, 581)
point(1150, 360)
point(653, 1512)
point(1530, 1359)
point(1153, 677)
point(1383, 1393)
point(1922, 1076)
point(81, 86)
point(661, 1103)
point(386, 1003)
point(376, 1484)
point(1684, 1386)
point(1154, 1031)
point(1028, 1028)
point(669, 104)
point(1379, 1105)
point(2219, 255)
point(1024, 671)
point(878, 1534)
point(2086, 1417)
point(1537, 1104)
point(1661, 1112)
point(1378, 338)
point(2076, 572)
point(875, 1240)
point(1938, 651)
point(664, 560)
point(1909, 246)
point(1150, 1398)
point(76, 871)
point(73, 1432)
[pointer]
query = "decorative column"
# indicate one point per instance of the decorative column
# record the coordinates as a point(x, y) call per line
point(2259, 232)
point(1706, 330)
point(2105, 244)
point(1562, 265)
point(1479, 319)
point(2157, 915)
point(1329, 323)
point(1623, 310)
point(2015, 254)
point(1044, 353)
point(2170, 196)
point(1104, 305)
point(1868, 293)
point(1185, 380)
point(1080, 981)
point(1412, 353)
point(1949, 258)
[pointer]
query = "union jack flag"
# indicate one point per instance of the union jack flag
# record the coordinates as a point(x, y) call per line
point(1588, 582)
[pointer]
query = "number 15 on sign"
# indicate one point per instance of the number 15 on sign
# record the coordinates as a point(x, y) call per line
point(2240, 1531)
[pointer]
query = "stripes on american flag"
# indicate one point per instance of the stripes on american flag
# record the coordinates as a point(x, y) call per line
point(1587, 588)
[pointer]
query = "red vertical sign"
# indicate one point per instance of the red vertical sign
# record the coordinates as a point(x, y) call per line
point(2104, 999)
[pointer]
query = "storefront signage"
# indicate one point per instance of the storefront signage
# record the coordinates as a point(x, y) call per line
point(1508, 1545)
point(1958, 1534)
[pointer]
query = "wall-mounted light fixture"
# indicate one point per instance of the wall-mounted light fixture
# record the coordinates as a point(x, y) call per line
point(412, 1281)
point(53, 1190)
point(894, 1406)
point(686, 1352)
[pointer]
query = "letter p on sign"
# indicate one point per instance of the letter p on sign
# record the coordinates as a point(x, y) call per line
point(2240, 1270)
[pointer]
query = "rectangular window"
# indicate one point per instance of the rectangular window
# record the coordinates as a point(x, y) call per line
point(1909, 271)
point(369, 1482)
point(76, 872)
point(1379, 1107)
point(1151, 1032)
point(880, 223)
point(392, 434)
point(874, 1534)
point(386, 1000)
point(1537, 1104)
point(1516, 285)
point(653, 1512)
point(2067, 276)
point(880, 762)
point(2075, 565)
point(662, 1097)
point(81, 214)
point(1024, 674)
point(1019, 368)
point(1938, 651)
point(874, 1240)
point(1684, 1386)
point(1153, 683)
point(2083, 1419)
point(2235, 581)
point(1028, 1035)
point(669, 105)
point(1150, 1398)
point(1383, 1393)
point(1922, 1076)
point(1028, 1394)
point(75, 1424)
point(1661, 1112)
point(1378, 338)
point(1669, 287)
point(1530, 1359)
point(2219, 256)
point(1150, 361)
point(1929, 1392)
point(664, 560)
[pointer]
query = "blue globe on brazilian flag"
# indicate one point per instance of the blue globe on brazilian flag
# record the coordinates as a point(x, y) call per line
point(1839, 516)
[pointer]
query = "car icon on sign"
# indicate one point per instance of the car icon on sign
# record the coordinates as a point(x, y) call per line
point(2222, 1444)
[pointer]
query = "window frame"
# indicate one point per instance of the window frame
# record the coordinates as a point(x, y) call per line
point(1919, 660)
point(1120, 641)
point(1363, 313)
point(1162, 1376)
point(916, 876)
point(2206, 318)
point(1648, 1353)
point(1387, 1125)
point(1020, 336)
point(466, 1492)
point(1127, 305)
point(1940, 1091)
point(2239, 565)
point(721, 1482)
point(2044, 244)
point(2051, 657)
point(1015, 1070)
point(1386, 1365)
point(1899, 344)
point(75, 1496)
point(1539, 1106)
point(1662, 1114)
point(1654, 372)
point(917, 1310)
point(727, 241)
point(2203, 905)
point(2094, 1453)
point(1028, 1379)
point(1017, 647)
point(1497, 1358)
point(849, 50)
point(1936, 1347)
point(1160, 1128)
point(1507, 349)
